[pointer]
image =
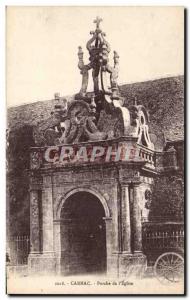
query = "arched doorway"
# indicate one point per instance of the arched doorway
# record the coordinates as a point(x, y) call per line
point(83, 235)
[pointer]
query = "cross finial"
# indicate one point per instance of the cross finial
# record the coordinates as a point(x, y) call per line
point(97, 22)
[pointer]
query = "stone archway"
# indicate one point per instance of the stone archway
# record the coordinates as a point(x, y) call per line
point(82, 235)
point(75, 190)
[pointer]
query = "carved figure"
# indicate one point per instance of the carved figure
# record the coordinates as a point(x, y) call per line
point(98, 115)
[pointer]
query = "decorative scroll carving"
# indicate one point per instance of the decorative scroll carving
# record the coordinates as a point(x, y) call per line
point(80, 125)
point(49, 131)
point(96, 115)
point(139, 121)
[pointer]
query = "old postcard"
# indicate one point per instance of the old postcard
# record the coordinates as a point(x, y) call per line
point(95, 147)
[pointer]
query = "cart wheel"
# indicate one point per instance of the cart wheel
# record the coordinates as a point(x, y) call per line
point(169, 267)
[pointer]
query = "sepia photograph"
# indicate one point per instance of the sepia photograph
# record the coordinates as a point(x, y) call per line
point(95, 150)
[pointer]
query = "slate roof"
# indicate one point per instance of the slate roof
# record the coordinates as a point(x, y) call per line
point(164, 99)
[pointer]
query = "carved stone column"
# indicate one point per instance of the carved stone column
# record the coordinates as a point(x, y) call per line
point(47, 215)
point(125, 219)
point(131, 263)
point(137, 225)
point(41, 259)
point(57, 245)
point(34, 222)
point(115, 222)
point(108, 224)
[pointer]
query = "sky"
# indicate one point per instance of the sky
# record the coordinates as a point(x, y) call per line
point(42, 45)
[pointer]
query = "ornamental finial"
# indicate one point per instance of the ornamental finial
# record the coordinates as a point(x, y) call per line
point(97, 21)
point(99, 50)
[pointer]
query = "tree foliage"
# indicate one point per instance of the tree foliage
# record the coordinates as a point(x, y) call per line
point(19, 141)
point(168, 198)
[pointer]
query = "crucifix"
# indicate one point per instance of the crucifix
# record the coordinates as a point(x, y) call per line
point(97, 22)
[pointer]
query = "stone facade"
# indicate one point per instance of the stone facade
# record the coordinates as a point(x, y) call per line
point(120, 189)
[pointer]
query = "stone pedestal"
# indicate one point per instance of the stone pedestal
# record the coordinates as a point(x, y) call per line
point(42, 263)
point(131, 265)
point(127, 265)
